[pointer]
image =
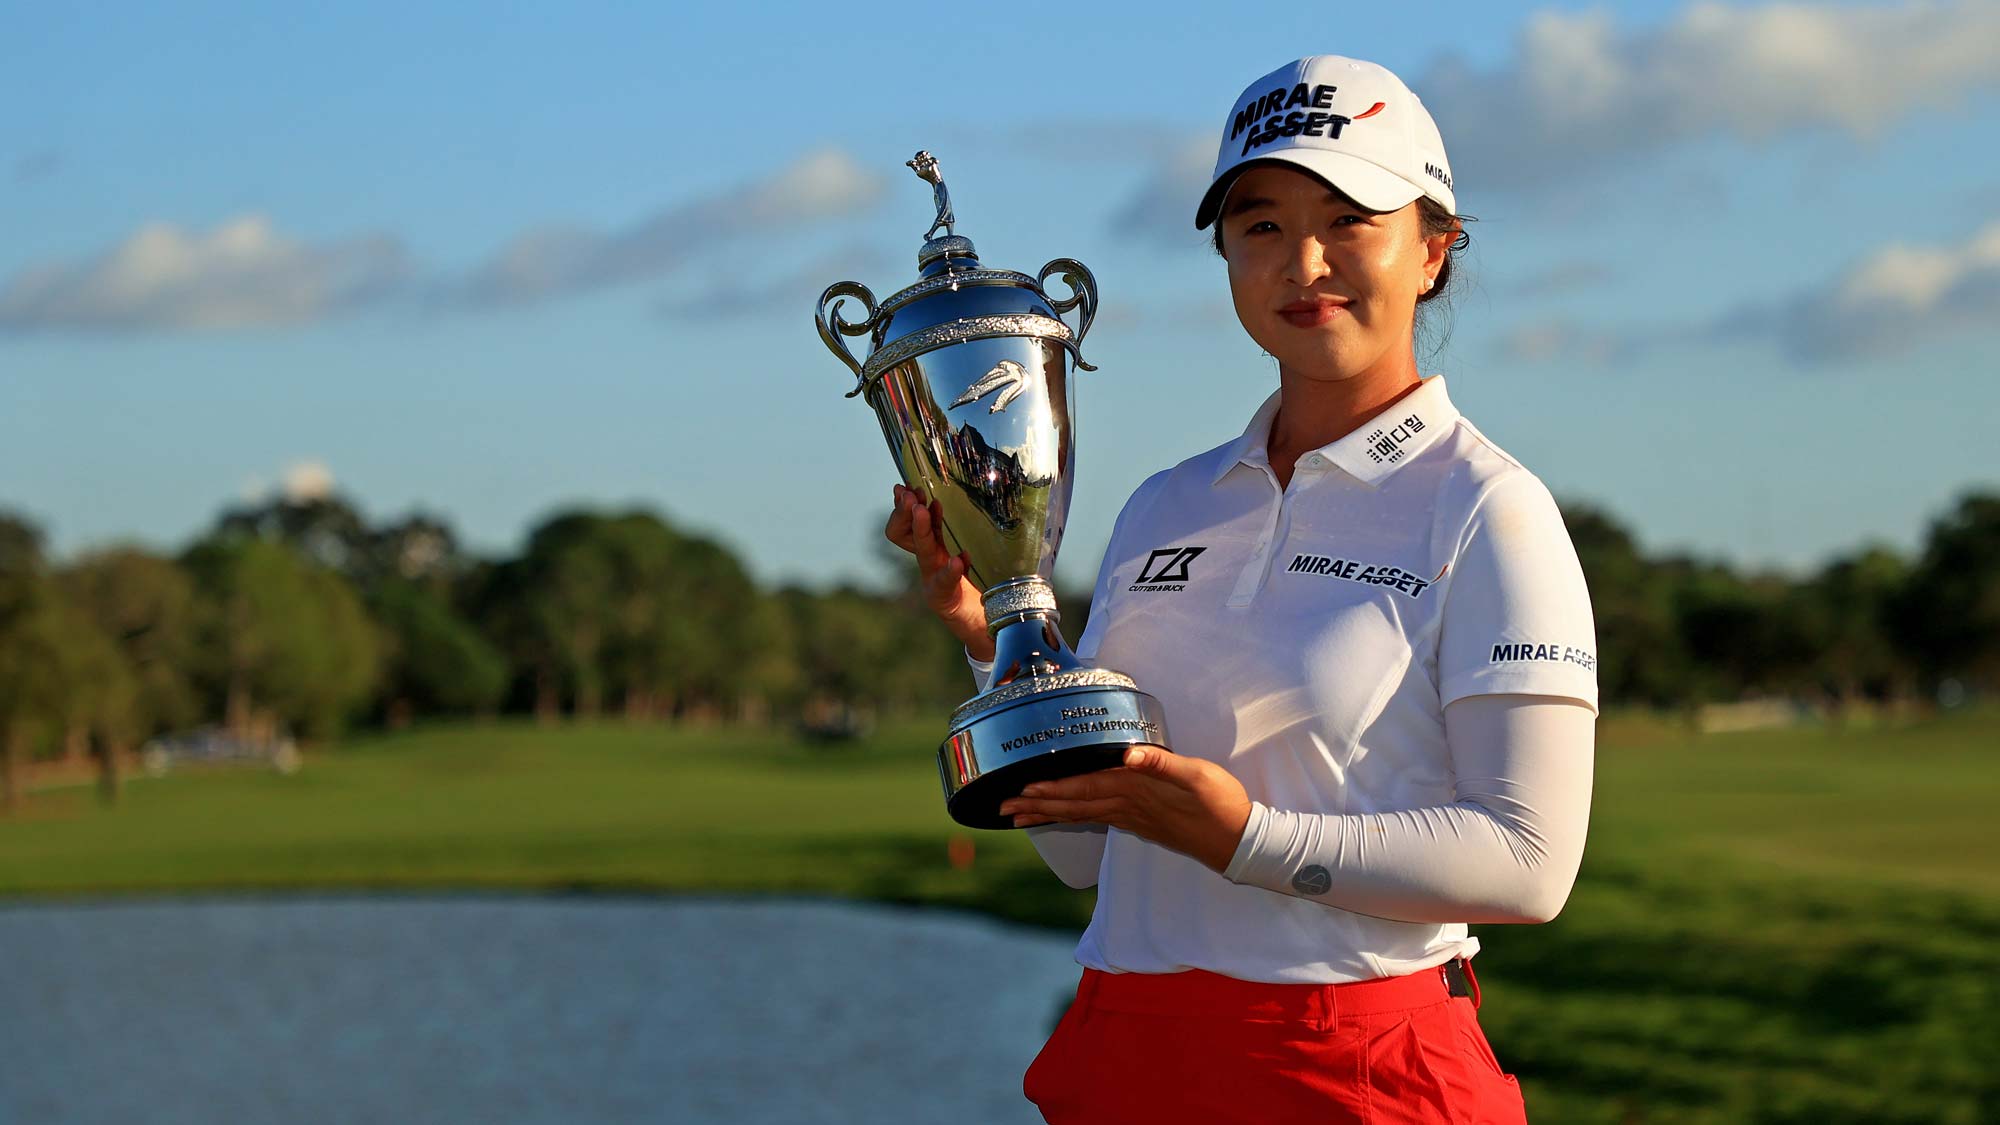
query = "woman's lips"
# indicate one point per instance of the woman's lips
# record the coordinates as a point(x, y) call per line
point(1311, 314)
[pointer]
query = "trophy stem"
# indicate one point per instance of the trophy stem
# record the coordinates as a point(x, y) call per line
point(1017, 599)
point(1021, 614)
point(1044, 715)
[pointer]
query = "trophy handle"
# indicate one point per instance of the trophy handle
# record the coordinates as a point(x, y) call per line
point(832, 327)
point(1082, 291)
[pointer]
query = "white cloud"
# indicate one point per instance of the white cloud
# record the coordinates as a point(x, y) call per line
point(1578, 94)
point(1568, 342)
point(1893, 299)
point(241, 273)
point(307, 480)
point(245, 273)
point(1574, 276)
point(727, 295)
point(555, 260)
point(1162, 210)
point(38, 165)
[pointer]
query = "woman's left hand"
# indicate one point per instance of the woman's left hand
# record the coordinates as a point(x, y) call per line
point(1187, 804)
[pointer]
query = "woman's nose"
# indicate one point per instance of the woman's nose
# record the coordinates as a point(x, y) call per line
point(1306, 263)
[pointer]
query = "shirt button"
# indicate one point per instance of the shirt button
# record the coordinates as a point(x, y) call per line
point(1259, 552)
point(1316, 460)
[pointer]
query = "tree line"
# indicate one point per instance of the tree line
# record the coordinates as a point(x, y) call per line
point(1869, 627)
point(299, 616)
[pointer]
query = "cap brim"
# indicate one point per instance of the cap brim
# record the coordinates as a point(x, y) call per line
point(1363, 181)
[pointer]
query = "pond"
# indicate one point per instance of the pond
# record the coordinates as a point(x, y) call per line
point(519, 1009)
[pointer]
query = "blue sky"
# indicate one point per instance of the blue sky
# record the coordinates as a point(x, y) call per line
point(1736, 274)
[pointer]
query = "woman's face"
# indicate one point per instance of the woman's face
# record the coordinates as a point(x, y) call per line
point(1328, 289)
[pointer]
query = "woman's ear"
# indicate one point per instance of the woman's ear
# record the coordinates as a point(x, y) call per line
point(1436, 247)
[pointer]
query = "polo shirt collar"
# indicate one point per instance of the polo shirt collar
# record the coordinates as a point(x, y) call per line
point(1252, 447)
point(1373, 450)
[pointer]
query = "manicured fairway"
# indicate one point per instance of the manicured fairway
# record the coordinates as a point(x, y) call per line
point(1783, 926)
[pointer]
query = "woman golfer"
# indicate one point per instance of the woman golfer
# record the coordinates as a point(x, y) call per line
point(1373, 643)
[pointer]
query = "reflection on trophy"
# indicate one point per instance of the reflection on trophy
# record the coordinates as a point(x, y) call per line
point(968, 371)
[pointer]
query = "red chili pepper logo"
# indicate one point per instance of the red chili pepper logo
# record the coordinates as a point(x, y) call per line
point(1372, 111)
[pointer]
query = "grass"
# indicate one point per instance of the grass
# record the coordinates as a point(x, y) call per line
point(1773, 926)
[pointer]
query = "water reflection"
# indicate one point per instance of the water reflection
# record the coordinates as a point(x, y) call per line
point(519, 1009)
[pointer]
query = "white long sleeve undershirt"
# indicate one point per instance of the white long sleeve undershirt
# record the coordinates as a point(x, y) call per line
point(1506, 850)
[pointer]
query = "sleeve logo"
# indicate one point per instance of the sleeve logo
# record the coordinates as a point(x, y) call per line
point(1554, 654)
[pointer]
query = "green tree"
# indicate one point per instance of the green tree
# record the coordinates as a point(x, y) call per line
point(626, 607)
point(1741, 633)
point(433, 660)
point(419, 549)
point(288, 639)
point(1949, 612)
point(30, 692)
point(699, 625)
point(1641, 657)
point(846, 644)
point(59, 674)
point(146, 605)
point(565, 587)
point(770, 678)
point(1850, 605)
point(325, 529)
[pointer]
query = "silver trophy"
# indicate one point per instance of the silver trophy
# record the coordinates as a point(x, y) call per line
point(968, 372)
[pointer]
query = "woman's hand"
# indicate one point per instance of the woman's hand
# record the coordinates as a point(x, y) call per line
point(1187, 804)
point(913, 526)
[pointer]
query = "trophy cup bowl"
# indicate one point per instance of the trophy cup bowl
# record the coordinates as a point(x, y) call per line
point(968, 372)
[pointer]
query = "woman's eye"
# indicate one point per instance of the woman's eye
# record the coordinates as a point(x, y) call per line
point(1349, 221)
point(1260, 226)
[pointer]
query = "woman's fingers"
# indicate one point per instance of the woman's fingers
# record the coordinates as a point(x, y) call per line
point(913, 526)
point(944, 580)
point(1107, 810)
point(1100, 796)
point(925, 520)
point(899, 530)
point(916, 526)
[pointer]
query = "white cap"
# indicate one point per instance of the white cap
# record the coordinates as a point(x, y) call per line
point(1349, 122)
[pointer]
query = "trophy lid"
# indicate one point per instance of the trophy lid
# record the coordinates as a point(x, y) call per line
point(954, 299)
point(951, 251)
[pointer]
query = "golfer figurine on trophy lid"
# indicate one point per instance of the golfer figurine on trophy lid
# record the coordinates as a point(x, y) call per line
point(968, 370)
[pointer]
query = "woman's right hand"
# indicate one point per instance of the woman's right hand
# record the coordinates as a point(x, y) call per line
point(913, 526)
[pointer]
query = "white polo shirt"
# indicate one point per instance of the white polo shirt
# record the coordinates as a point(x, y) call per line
point(1309, 639)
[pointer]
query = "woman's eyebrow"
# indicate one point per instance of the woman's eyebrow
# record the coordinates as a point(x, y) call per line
point(1249, 203)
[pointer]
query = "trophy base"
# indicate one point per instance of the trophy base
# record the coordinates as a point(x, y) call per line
point(1075, 722)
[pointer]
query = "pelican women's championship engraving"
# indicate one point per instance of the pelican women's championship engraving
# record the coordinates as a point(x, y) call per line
point(1007, 377)
point(968, 372)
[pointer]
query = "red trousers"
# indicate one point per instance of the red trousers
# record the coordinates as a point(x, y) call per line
point(1195, 1047)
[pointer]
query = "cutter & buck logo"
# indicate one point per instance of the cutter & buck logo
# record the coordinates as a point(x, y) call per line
point(1166, 569)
